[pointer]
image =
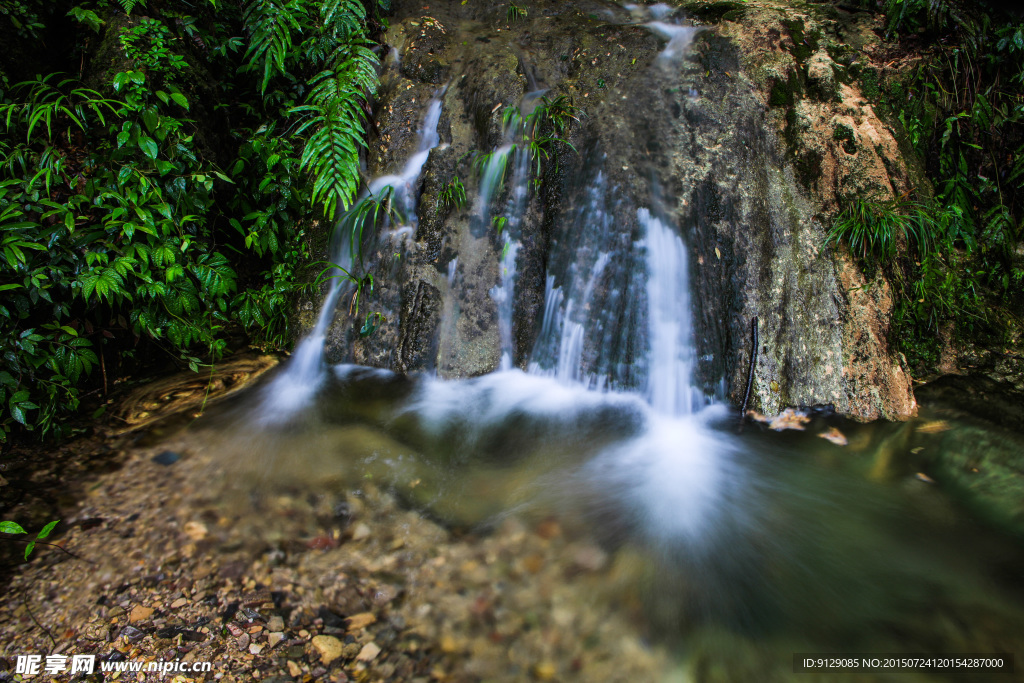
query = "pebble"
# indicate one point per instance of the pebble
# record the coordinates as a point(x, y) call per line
point(369, 652)
point(132, 634)
point(255, 649)
point(180, 602)
point(360, 532)
point(243, 642)
point(140, 613)
point(275, 623)
point(294, 669)
point(545, 671)
point(274, 638)
point(357, 622)
point(197, 531)
point(329, 648)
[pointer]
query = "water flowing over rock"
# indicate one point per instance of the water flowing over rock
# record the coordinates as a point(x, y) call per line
point(693, 129)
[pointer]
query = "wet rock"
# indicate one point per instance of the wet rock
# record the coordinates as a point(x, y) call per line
point(275, 623)
point(132, 634)
point(273, 638)
point(167, 458)
point(328, 647)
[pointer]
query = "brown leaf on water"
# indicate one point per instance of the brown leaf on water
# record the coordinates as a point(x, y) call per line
point(758, 417)
point(933, 427)
point(789, 419)
point(835, 436)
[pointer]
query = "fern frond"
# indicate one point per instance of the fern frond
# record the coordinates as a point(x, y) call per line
point(270, 24)
point(332, 155)
point(128, 5)
point(343, 18)
point(336, 116)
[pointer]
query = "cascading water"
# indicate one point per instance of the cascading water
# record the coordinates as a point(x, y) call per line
point(507, 218)
point(294, 387)
point(607, 430)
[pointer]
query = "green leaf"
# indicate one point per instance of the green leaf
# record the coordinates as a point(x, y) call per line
point(28, 548)
point(47, 529)
point(148, 146)
point(179, 100)
point(11, 528)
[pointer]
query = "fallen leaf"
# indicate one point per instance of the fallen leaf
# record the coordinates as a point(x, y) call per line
point(933, 427)
point(789, 419)
point(834, 436)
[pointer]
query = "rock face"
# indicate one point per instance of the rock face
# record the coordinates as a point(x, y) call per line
point(749, 142)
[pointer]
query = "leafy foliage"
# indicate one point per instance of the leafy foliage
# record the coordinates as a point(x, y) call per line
point(130, 231)
point(962, 111)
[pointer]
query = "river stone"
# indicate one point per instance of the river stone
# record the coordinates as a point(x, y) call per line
point(140, 613)
point(328, 647)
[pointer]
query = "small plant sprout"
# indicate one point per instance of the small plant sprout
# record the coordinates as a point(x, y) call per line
point(15, 528)
point(453, 194)
point(371, 324)
point(515, 12)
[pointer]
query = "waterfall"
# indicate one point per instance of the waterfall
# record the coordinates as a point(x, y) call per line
point(507, 218)
point(672, 356)
point(298, 383)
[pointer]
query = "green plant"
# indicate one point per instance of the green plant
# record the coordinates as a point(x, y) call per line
point(129, 5)
point(874, 229)
point(86, 17)
point(515, 12)
point(453, 194)
point(147, 44)
point(362, 284)
point(122, 240)
point(367, 212)
point(15, 528)
point(372, 323)
point(499, 223)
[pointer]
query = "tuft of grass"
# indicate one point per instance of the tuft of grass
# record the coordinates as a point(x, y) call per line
point(872, 229)
point(453, 194)
point(515, 12)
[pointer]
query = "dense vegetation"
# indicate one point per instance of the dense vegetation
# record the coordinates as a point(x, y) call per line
point(161, 162)
point(961, 276)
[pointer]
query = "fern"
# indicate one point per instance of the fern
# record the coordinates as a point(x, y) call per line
point(336, 118)
point(129, 5)
point(270, 23)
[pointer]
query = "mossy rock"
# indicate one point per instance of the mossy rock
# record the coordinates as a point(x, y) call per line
point(843, 134)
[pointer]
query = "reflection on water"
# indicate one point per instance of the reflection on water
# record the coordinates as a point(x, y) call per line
point(782, 541)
